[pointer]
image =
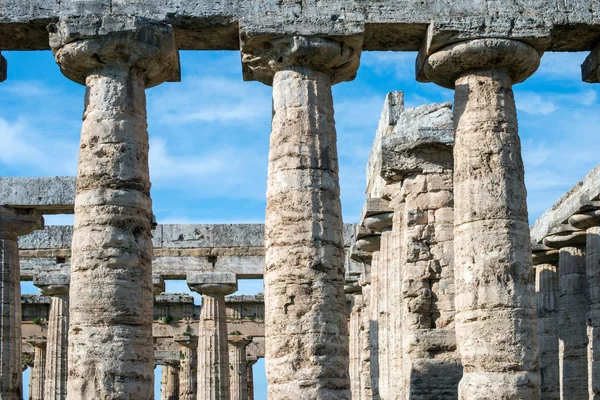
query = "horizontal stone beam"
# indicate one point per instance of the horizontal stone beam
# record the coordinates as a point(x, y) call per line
point(179, 250)
point(583, 196)
point(386, 24)
point(55, 195)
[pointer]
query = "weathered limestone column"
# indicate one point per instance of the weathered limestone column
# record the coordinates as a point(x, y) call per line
point(546, 293)
point(56, 372)
point(572, 310)
point(496, 326)
point(238, 367)
point(251, 360)
point(213, 356)
point(354, 326)
point(111, 351)
point(590, 221)
point(305, 322)
point(188, 382)
point(13, 223)
point(169, 389)
point(36, 377)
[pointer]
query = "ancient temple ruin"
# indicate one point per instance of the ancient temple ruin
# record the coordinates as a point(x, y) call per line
point(441, 291)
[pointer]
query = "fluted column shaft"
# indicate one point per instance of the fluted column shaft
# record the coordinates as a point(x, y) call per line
point(547, 313)
point(111, 351)
point(496, 325)
point(572, 324)
point(56, 371)
point(592, 253)
point(188, 372)
point(239, 368)
point(170, 382)
point(305, 322)
point(12, 224)
point(249, 368)
point(213, 357)
point(36, 377)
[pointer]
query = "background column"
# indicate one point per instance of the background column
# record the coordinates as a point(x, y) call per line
point(13, 223)
point(213, 355)
point(188, 380)
point(238, 370)
point(36, 378)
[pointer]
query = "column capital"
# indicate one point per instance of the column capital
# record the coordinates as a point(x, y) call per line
point(568, 237)
point(239, 341)
point(37, 342)
point(545, 256)
point(213, 283)
point(186, 340)
point(585, 220)
point(52, 285)
point(158, 285)
point(518, 59)
point(263, 57)
point(19, 222)
point(590, 71)
point(84, 46)
point(251, 360)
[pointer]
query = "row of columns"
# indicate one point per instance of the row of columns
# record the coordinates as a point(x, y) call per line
point(110, 345)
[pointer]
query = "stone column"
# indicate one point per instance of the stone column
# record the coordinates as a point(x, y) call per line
point(13, 223)
point(546, 293)
point(188, 382)
point(238, 367)
point(572, 307)
point(251, 360)
point(56, 286)
point(36, 377)
point(590, 221)
point(305, 322)
point(169, 389)
point(111, 351)
point(496, 328)
point(213, 356)
point(354, 326)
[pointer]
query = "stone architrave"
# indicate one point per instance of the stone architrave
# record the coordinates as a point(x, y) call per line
point(251, 360)
point(111, 351)
point(546, 293)
point(305, 307)
point(590, 221)
point(13, 223)
point(213, 354)
point(572, 313)
point(169, 389)
point(36, 378)
point(188, 379)
point(238, 367)
point(57, 367)
point(496, 327)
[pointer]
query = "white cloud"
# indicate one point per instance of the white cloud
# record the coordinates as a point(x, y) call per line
point(559, 66)
point(533, 103)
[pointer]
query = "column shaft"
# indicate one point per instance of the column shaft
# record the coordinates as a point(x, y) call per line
point(305, 325)
point(10, 314)
point(57, 349)
point(249, 369)
point(547, 313)
point(36, 377)
point(592, 254)
point(188, 379)
point(170, 382)
point(572, 328)
point(213, 358)
point(111, 348)
point(495, 322)
point(238, 371)
point(355, 345)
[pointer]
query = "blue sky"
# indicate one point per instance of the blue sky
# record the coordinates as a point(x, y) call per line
point(209, 134)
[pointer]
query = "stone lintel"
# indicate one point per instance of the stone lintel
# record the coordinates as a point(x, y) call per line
point(589, 68)
point(52, 284)
point(55, 195)
point(244, 298)
point(440, 34)
point(178, 298)
point(421, 141)
point(581, 197)
point(3, 68)
point(166, 357)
